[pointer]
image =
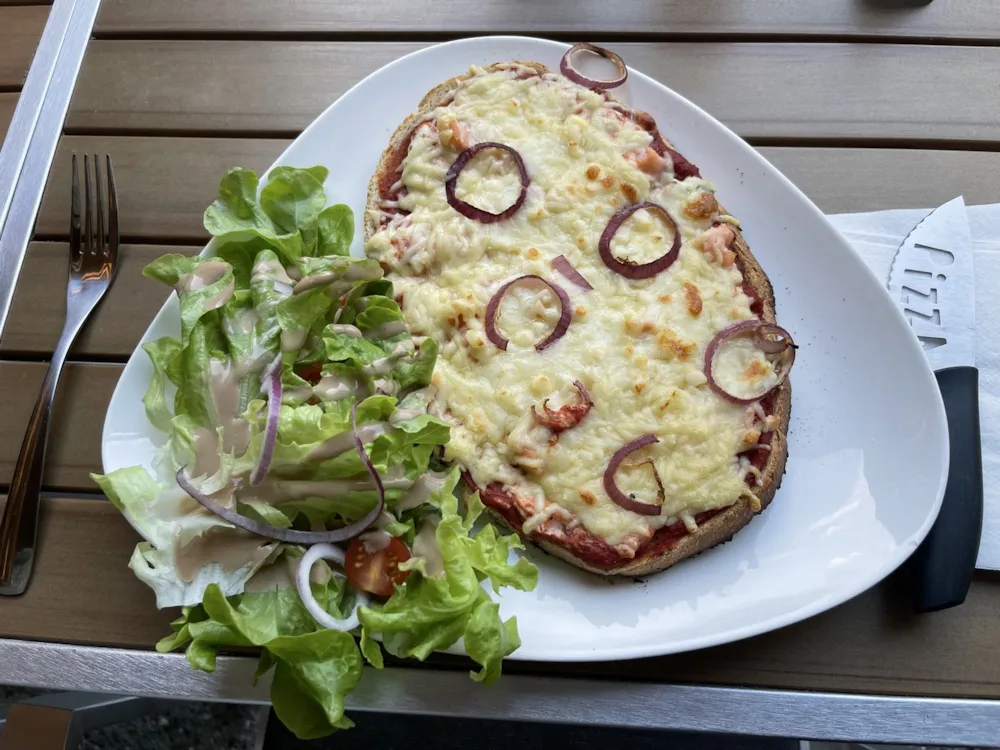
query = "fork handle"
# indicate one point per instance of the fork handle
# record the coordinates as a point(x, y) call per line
point(19, 525)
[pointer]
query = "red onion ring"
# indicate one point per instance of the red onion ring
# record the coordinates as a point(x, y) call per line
point(467, 209)
point(313, 555)
point(630, 269)
point(567, 69)
point(493, 307)
point(360, 446)
point(564, 267)
point(619, 497)
point(270, 427)
point(757, 330)
point(293, 536)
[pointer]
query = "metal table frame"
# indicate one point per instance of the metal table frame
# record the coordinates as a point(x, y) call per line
point(767, 713)
point(24, 165)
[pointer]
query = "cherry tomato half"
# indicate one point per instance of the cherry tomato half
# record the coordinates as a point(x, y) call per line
point(376, 571)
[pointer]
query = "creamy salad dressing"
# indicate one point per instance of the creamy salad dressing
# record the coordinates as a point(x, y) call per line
point(315, 280)
point(206, 452)
point(353, 331)
point(275, 491)
point(383, 366)
point(293, 340)
point(231, 551)
point(421, 491)
point(273, 271)
point(345, 441)
point(205, 275)
point(637, 345)
point(386, 330)
point(425, 546)
point(336, 387)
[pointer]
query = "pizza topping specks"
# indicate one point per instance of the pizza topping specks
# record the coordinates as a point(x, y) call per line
point(692, 298)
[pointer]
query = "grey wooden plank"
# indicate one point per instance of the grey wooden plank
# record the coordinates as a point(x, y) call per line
point(872, 179)
point(951, 19)
point(811, 91)
point(74, 448)
point(21, 28)
point(112, 332)
point(166, 183)
point(7, 103)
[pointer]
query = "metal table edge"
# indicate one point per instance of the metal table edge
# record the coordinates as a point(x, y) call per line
point(749, 711)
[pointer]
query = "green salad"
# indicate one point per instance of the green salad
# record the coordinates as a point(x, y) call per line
point(300, 446)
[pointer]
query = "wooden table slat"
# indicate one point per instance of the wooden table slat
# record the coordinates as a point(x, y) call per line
point(74, 448)
point(866, 644)
point(8, 102)
point(166, 183)
point(114, 330)
point(951, 19)
point(21, 28)
point(927, 93)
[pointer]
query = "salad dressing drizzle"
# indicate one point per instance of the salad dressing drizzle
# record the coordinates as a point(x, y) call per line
point(223, 384)
point(353, 331)
point(422, 489)
point(336, 387)
point(386, 330)
point(345, 441)
point(220, 545)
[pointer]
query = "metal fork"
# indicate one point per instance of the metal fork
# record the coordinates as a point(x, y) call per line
point(93, 261)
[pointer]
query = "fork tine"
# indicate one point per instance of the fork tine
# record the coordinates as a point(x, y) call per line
point(75, 210)
point(88, 216)
point(112, 217)
point(102, 241)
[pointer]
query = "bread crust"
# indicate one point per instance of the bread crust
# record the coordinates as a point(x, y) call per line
point(719, 528)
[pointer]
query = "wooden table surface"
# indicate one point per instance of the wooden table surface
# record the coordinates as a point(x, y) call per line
point(866, 105)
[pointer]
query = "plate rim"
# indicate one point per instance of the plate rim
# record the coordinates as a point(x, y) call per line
point(618, 651)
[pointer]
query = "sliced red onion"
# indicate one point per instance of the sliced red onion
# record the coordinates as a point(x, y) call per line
point(293, 536)
point(360, 446)
point(565, 416)
point(275, 366)
point(313, 555)
point(682, 167)
point(567, 69)
point(467, 209)
point(619, 497)
point(273, 385)
point(564, 267)
point(493, 307)
point(768, 337)
point(630, 269)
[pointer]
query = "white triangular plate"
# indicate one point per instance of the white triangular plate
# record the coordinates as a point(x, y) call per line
point(868, 452)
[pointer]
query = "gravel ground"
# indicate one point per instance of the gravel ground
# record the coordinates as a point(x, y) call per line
point(184, 726)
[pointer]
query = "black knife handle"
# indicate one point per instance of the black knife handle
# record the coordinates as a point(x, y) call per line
point(944, 562)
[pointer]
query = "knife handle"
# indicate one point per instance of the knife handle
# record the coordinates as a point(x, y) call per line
point(944, 562)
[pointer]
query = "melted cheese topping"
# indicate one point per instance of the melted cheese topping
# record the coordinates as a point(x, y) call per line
point(637, 346)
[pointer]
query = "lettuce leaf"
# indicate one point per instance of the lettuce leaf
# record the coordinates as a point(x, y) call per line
point(430, 614)
point(264, 236)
